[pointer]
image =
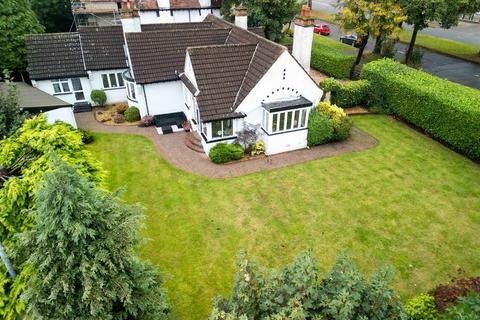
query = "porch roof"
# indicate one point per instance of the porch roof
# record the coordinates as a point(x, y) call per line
point(281, 105)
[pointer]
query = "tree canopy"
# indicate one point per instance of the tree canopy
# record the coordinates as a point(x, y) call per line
point(11, 117)
point(16, 20)
point(24, 158)
point(271, 14)
point(297, 292)
point(54, 15)
point(80, 253)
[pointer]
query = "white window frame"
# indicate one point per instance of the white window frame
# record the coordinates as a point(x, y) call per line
point(60, 83)
point(117, 76)
point(75, 91)
point(222, 124)
point(131, 90)
point(280, 119)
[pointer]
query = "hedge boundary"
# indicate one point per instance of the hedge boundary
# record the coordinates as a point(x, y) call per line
point(447, 111)
point(331, 61)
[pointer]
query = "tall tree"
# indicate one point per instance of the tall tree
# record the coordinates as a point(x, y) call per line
point(271, 14)
point(54, 15)
point(11, 117)
point(369, 18)
point(16, 20)
point(81, 253)
point(420, 13)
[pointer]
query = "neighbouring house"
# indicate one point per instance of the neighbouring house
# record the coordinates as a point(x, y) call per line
point(217, 75)
point(107, 12)
point(36, 101)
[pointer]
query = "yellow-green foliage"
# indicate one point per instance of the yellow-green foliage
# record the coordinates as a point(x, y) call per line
point(258, 148)
point(26, 157)
point(340, 121)
point(421, 307)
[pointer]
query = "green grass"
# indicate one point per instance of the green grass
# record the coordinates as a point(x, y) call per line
point(409, 202)
point(457, 49)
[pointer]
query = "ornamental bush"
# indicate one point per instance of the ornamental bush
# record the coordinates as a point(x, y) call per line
point(467, 308)
point(341, 123)
point(132, 114)
point(331, 61)
point(449, 293)
point(421, 307)
point(448, 111)
point(225, 152)
point(320, 128)
point(119, 118)
point(99, 97)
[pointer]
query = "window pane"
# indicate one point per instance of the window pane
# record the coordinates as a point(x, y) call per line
point(289, 120)
point(120, 80)
point(282, 122)
point(217, 129)
point(274, 122)
point(296, 119)
point(105, 81)
point(56, 88)
point(77, 84)
point(65, 87)
point(228, 127)
point(132, 91)
point(113, 79)
point(79, 96)
point(304, 117)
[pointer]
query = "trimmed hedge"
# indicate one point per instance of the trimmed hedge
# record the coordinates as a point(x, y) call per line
point(331, 61)
point(320, 128)
point(351, 94)
point(132, 114)
point(99, 97)
point(449, 112)
point(225, 152)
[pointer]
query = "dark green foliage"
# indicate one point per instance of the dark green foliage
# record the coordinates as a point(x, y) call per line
point(351, 94)
point(225, 152)
point(87, 137)
point(320, 129)
point(54, 15)
point(296, 292)
point(448, 111)
point(16, 20)
point(467, 308)
point(342, 130)
point(331, 61)
point(81, 253)
point(421, 307)
point(99, 97)
point(270, 14)
point(132, 114)
point(11, 117)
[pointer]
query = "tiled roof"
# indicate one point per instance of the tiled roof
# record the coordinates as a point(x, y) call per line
point(219, 71)
point(172, 26)
point(54, 55)
point(186, 81)
point(160, 55)
point(147, 4)
point(185, 4)
point(266, 54)
point(103, 47)
point(259, 31)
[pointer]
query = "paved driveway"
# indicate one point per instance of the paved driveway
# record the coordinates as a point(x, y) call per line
point(453, 69)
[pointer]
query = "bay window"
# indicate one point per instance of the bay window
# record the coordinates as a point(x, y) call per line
point(222, 128)
point(288, 120)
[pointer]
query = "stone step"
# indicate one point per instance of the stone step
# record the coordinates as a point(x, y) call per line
point(193, 146)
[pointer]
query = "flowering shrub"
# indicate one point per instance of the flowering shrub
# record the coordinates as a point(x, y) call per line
point(119, 118)
point(340, 121)
point(258, 148)
point(147, 121)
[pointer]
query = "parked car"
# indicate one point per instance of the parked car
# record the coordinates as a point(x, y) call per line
point(351, 40)
point(323, 29)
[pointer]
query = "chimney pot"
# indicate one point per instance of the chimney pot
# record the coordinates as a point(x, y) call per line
point(241, 16)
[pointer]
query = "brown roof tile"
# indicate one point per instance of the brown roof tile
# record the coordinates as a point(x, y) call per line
point(159, 55)
point(147, 4)
point(103, 47)
point(184, 4)
point(54, 55)
point(174, 26)
point(219, 71)
point(186, 81)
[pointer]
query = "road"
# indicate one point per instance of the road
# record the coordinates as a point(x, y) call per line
point(443, 66)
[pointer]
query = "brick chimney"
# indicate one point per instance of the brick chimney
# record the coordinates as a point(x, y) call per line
point(303, 37)
point(241, 16)
point(129, 17)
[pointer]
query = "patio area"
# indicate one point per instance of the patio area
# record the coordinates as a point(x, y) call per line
point(172, 148)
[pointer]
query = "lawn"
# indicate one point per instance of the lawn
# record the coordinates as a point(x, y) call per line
point(409, 202)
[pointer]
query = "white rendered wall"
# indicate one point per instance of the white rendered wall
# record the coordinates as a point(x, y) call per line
point(164, 97)
point(114, 95)
point(61, 114)
point(241, 21)
point(46, 86)
point(302, 45)
point(275, 86)
point(166, 16)
point(131, 24)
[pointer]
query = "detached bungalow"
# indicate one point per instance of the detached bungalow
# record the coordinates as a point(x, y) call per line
point(218, 75)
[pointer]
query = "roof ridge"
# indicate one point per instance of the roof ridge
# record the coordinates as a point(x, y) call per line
point(244, 77)
point(182, 30)
point(228, 45)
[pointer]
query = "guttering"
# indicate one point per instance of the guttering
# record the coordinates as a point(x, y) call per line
point(145, 96)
